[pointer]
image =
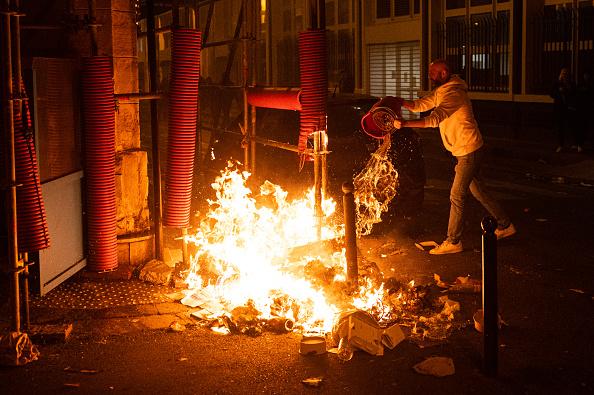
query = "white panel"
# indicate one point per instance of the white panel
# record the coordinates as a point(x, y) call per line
point(65, 256)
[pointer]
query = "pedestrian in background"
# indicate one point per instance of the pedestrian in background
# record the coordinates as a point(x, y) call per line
point(452, 112)
point(563, 93)
point(585, 104)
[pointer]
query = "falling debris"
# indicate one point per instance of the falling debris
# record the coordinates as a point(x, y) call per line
point(375, 187)
point(436, 366)
point(16, 349)
point(313, 381)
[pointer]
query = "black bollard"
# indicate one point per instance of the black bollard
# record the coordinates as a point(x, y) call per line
point(490, 311)
point(350, 232)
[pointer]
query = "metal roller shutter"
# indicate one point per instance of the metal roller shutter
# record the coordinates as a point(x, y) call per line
point(395, 69)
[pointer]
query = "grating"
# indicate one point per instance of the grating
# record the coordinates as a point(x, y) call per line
point(84, 294)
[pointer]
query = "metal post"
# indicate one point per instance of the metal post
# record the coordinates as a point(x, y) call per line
point(10, 175)
point(26, 314)
point(318, 149)
point(157, 196)
point(490, 313)
point(245, 76)
point(350, 232)
point(185, 256)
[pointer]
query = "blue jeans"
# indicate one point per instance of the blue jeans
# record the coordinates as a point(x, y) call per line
point(468, 178)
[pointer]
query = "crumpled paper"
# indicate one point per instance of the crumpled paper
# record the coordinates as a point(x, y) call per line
point(16, 349)
point(436, 366)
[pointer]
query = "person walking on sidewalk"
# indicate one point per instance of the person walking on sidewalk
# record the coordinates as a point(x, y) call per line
point(452, 112)
point(563, 94)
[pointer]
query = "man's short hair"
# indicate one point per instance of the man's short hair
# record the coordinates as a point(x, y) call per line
point(442, 62)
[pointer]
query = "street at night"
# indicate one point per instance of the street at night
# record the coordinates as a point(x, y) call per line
point(297, 196)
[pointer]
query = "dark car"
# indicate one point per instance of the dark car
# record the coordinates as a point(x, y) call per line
point(350, 149)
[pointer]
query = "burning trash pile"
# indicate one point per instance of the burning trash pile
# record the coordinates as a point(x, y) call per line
point(258, 267)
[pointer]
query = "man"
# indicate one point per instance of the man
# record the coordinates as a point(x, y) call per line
point(460, 135)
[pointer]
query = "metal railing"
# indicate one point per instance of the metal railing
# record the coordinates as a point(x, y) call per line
point(558, 38)
point(478, 49)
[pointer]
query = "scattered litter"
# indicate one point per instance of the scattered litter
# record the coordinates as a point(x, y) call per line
point(392, 336)
point(438, 281)
point(156, 272)
point(515, 270)
point(360, 330)
point(579, 291)
point(436, 366)
point(466, 285)
point(345, 350)
point(461, 285)
point(68, 369)
point(426, 245)
point(313, 381)
point(16, 349)
point(182, 359)
point(586, 184)
point(541, 220)
point(478, 319)
point(175, 296)
point(175, 326)
point(312, 345)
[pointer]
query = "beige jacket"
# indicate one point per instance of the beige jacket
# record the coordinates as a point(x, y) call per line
point(452, 112)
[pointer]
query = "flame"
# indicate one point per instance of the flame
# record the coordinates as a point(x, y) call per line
point(244, 257)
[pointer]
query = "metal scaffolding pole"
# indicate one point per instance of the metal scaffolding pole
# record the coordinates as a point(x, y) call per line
point(9, 166)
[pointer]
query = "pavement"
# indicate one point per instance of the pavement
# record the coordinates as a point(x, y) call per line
point(135, 326)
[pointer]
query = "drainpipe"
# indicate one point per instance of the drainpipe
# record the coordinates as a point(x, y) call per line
point(157, 194)
point(13, 254)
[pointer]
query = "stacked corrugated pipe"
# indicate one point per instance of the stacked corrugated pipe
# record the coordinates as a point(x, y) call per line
point(99, 149)
point(32, 229)
point(314, 83)
point(183, 110)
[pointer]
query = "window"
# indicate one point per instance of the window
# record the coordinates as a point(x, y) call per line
point(382, 8)
point(344, 15)
point(401, 7)
point(396, 8)
point(455, 4)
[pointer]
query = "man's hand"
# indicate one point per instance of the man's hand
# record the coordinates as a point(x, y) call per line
point(398, 124)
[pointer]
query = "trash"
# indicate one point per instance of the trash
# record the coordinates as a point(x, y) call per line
point(426, 245)
point(478, 319)
point(72, 385)
point(68, 369)
point(345, 350)
point(579, 291)
point(313, 381)
point(541, 220)
point(156, 272)
point(203, 314)
point(392, 336)
point(280, 325)
point(175, 326)
point(312, 345)
point(436, 366)
point(16, 349)
point(438, 281)
point(361, 330)
point(466, 285)
point(49, 333)
point(182, 359)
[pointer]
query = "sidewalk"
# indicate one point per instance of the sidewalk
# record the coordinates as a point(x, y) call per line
point(533, 160)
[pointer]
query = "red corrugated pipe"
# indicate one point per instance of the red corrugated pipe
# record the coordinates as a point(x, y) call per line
point(183, 110)
point(289, 99)
point(314, 83)
point(99, 148)
point(33, 233)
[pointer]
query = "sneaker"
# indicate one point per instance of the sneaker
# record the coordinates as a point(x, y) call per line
point(506, 232)
point(447, 248)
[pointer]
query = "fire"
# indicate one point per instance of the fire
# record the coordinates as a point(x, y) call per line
point(244, 256)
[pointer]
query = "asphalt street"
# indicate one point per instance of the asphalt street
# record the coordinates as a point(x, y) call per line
point(546, 298)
